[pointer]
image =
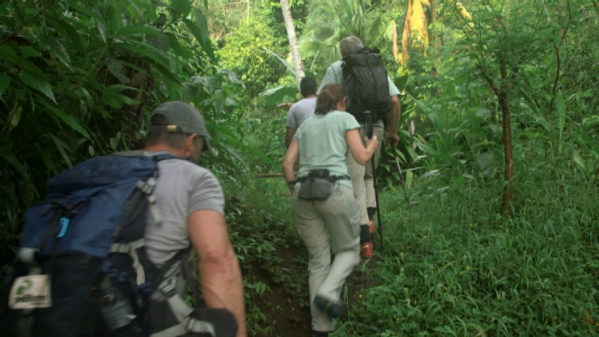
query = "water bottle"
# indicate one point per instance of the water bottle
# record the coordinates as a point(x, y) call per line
point(118, 313)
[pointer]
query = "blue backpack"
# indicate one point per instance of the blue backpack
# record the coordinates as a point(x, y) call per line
point(82, 269)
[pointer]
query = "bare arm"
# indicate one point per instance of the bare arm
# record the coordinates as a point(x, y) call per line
point(222, 286)
point(290, 159)
point(289, 136)
point(361, 154)
point(394, 117)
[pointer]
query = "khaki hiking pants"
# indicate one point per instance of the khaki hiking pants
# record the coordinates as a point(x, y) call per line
point(328, 226)
point(362, 176)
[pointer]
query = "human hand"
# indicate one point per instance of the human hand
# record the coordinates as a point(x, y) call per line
point(284, 106)
point(392, 139)
point(374, 141)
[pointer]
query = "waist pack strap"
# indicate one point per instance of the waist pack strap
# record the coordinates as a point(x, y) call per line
point(331, 178)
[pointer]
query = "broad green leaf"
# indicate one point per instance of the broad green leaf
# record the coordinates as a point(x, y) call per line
point(409, 176)
point(64, 28)
point(114, 143)
point(282, 60)
point(160, 42)
point(14, 162)
point(115, 67)
point(153, 55)
point(143, 50)
point(232, 76)
point(180, 7)
point(4, 82)
point(112, 96)
point(276, 95)
point(579, 161)
point(100, 24)
point(55, 47)
point(133, 5)
point(203, 25)
point(132, 30)
point(61, 146)
point(10, 54)
point(177, 47)
point(67, 119)
point(38, 82)
point(430, 174)
point(15, 116)
point(27, 51)
point(200, 35)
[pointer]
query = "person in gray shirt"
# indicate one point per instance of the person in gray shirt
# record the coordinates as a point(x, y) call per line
point(363, 175)
point(302, 109)
point(191, 204)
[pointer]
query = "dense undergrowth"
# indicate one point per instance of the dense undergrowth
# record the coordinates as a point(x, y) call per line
point(451, 266)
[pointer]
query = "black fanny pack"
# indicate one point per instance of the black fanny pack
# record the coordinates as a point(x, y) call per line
point(318, 185)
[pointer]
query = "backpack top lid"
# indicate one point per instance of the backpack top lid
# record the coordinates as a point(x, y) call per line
point(85, 204)
point(366, 83)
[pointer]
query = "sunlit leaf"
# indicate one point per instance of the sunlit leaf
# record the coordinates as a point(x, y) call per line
point(276, 95)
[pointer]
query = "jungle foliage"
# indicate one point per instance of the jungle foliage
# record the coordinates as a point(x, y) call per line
point(78, 78)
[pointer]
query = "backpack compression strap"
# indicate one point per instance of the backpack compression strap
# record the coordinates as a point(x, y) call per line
point(200, 320)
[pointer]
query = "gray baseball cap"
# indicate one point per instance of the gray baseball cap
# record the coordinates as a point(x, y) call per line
point(181, 118)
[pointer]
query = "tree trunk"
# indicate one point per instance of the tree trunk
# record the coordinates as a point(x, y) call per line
point(504, 103)
point(395, 48)
point(503, 96)
point(508, 173)
point(293, 44)
point(406, 35)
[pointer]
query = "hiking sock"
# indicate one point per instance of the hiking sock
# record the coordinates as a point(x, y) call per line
point(365, 234)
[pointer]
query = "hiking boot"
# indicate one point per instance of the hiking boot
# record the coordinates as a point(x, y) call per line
point(331, 309)
point(371, 227)
point(366, 250)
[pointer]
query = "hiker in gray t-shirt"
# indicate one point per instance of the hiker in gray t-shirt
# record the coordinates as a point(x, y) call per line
point(191, 204)
point(302, 109)
point(363, 175)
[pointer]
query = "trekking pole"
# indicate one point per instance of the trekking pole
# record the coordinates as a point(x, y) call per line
point(369, 131)
point(403, 184)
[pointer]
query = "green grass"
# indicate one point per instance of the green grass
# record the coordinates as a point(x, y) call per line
point(453, 267)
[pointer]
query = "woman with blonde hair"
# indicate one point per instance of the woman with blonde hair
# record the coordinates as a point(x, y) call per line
point(324, 206)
